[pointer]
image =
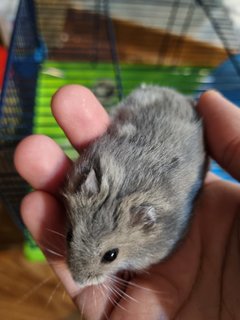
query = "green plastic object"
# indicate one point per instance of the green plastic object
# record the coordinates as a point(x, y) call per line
point(55, 74)
point(30, 249)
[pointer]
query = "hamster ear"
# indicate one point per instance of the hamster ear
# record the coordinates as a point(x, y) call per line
point(143, 215)
point(91, 185)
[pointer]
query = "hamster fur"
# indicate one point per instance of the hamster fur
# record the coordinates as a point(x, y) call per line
point(130, 195)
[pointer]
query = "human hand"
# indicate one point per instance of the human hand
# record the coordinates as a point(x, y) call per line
point(201, 279)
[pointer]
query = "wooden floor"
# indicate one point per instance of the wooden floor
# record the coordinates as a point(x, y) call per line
point(28, 290)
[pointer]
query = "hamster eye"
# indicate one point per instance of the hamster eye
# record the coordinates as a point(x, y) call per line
point(69, 235)
point(110, 256)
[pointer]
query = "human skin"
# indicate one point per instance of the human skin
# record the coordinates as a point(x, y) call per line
point(201, 280)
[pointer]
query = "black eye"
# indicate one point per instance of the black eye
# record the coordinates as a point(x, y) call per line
point(110, 256)
point(69, 235)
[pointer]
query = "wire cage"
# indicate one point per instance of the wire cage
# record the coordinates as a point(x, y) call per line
point(17, 102)
point(110, 47)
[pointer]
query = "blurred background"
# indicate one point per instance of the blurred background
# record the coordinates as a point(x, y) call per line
point(110, 47)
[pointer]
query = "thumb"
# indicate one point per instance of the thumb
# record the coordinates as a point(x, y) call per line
point(221, 120)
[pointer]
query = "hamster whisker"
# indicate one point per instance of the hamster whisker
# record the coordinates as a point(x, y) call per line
point(113, 292)
point(144, 288)
point(118, 280)
point(124, 295)
point(53, 293)
point(112, 300)
point(32, 290)
point(56, 232)
point(130, 283)
point(52, 246)
point(82, 308)
point(57, 264)
point(104, 295)
point(145, 272)
point(63, 294)
point(58, 242)
point(110, 297)
point(94, 296)
point(107, 294)
point(120, 292)
point(54, 252)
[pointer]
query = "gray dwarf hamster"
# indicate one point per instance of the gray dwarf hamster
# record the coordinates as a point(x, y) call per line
point(130, 195)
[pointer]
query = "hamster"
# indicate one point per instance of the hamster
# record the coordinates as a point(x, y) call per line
point(130, 195)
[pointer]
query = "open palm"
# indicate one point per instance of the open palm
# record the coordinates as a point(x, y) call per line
point(201, 280)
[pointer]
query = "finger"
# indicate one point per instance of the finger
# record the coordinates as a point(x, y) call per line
point(45, 219)
point(95, 302)
point(222, 124)
point(79, 114)
point(143, 302)
point(44, 216)
point(42, 163)
point(39, 160)
point(211, 177)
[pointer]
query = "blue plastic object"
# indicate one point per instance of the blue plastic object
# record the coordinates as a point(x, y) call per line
point(225, 79)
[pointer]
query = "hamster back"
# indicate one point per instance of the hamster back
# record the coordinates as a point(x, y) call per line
point(130, 195)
